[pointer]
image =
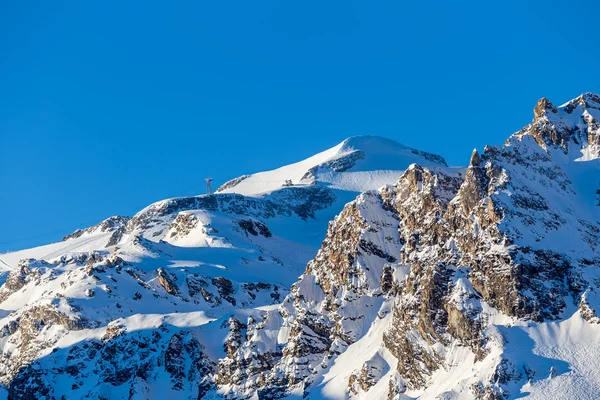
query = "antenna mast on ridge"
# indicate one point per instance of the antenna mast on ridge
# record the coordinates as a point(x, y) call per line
point(208, 185)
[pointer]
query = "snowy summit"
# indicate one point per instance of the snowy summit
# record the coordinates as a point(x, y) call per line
point(357, 164)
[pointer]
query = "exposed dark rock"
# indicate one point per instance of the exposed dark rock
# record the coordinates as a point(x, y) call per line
point(117, 225)
point(254, 228)
point(232, 183)
point(225, 288)
point(168, 281)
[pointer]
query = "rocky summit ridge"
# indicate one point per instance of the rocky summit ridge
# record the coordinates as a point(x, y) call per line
point(441, 283)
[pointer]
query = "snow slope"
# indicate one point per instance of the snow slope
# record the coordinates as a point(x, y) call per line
point(48, 252)
point(357, 164)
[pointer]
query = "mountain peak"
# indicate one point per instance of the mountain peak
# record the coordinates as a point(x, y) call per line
point(573, 125)
point(356, 164)
point(475, 158)
point(543, 105)
point(587, 100)
point(371, 144)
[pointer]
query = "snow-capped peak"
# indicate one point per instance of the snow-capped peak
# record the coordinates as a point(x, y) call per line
point(586, 100)
point(371, 144)
point(573, 127)
point(357, 164)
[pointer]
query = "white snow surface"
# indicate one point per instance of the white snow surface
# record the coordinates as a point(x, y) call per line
point(383, 161)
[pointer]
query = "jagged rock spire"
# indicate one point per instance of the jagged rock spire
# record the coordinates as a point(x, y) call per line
point(475, 159)
point(543, 105)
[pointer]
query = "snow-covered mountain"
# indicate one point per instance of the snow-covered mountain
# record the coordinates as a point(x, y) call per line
point(174, 270)
point(433, 282)
point(482, 285)
point(357, 164)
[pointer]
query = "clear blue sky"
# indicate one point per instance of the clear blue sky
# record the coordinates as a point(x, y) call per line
point(108, 106)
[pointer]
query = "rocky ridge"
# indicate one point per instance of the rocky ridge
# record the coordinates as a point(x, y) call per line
point(453, 257)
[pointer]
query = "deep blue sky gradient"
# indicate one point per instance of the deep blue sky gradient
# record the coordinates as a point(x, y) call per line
point(108, 106)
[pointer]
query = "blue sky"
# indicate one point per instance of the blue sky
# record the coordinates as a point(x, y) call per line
point(108, 106)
